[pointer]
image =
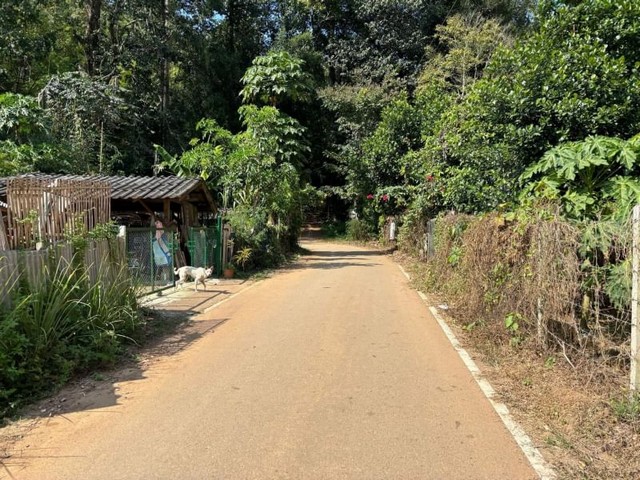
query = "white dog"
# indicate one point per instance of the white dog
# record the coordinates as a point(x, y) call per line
point(198, 274)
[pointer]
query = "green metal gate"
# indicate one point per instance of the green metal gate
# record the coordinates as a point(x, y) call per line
point(205, 246)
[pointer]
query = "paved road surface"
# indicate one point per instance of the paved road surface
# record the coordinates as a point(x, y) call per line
point(333, 369)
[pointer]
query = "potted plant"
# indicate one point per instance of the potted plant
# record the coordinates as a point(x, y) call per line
point(242, 257)
point(229, 270)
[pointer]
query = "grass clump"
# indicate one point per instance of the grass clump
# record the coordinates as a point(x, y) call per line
point(627, 409)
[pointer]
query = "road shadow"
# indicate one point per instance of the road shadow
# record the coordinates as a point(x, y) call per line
point(342, 253)
point(166, 333)
point(188, 307)
point(172, 323)
point(334, 259)
point(327, 265)
point(366, 249)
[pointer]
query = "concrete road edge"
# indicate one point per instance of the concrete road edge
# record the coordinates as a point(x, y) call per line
point(535, 458)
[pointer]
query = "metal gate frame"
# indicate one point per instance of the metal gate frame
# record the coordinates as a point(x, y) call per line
point(205, 246)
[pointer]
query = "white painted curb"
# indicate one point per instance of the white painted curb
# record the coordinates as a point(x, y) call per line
point(542, 468)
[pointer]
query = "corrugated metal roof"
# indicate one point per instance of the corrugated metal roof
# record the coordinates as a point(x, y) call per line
point(130, 187)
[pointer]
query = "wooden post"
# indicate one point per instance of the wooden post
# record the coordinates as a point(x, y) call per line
point(539, 321)
point(167, 211)
point(542, 338)
point(635, 371)
point(4, 244)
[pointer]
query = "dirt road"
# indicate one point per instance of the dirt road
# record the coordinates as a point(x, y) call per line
point(332, 369)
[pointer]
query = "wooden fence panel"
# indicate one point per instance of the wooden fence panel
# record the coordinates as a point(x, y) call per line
point(101, 261)
point(9, 274)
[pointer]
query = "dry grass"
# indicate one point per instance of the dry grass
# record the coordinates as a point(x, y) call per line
point(563, 375)
point(567, 411)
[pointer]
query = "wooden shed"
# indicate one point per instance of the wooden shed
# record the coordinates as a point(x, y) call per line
point(137, 201)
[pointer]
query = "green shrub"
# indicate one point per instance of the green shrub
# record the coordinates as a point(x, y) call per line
point(63, 325)
point(334, 228)
point(269, 242)
point(358, 230)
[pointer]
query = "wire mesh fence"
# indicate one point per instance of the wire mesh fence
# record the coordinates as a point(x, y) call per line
point(151, 256)
point(151, 262)
point(202, 245)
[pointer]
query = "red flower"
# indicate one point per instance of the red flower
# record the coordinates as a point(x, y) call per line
point(385, 198)
point(429, 178)
point(370, 197)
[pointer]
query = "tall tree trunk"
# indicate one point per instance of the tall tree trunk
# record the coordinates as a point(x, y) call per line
point(231, 24)
point(114, 34)
point(93, 8)
point(164, 71)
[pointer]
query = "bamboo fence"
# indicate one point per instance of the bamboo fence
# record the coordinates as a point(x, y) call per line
point(4, 244)
point(45, 210)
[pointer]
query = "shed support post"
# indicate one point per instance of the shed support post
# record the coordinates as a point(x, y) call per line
point(167, 210)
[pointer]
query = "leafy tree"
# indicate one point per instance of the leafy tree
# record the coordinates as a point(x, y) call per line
point(575, 76)
point(386, 39)
point(251, 172)
point(21, 119)
point(466, 45)
point(384, 162)
point(85, 113)
point(275, 133)
point(213, 43)
point(37, 40)
point(25, 143)
point(276, 76)
point(245, 168)
point(596, 175)
point(205, 158)
point(320, 126)
point(403, 159)
point(150, 69)
point(372, 153)
point(357, 111)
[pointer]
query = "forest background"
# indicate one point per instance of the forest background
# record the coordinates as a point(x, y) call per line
point(386, 107)
point(381, 104)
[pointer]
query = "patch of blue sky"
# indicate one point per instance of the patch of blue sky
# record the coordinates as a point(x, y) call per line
point(200, 20)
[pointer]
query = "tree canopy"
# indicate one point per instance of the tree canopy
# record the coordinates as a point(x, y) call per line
point(432, 104)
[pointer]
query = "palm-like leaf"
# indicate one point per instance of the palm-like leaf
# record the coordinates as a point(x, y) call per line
point(588, 172)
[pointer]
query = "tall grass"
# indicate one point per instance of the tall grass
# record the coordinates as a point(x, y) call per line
point(53, 310)
point(61, 325)
point(113, 302)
